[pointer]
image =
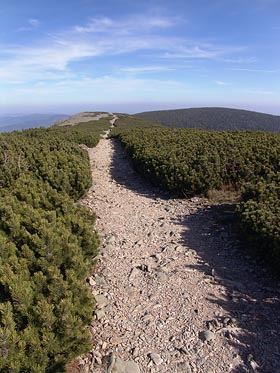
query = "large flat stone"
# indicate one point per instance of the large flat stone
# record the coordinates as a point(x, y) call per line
point(121, 366)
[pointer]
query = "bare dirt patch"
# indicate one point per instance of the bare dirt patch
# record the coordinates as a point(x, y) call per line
point(80, 118)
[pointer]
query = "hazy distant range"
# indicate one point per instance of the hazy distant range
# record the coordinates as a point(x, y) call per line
point(17, 122)
point(205, 117)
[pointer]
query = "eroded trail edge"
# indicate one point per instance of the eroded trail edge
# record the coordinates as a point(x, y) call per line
point(173, 293)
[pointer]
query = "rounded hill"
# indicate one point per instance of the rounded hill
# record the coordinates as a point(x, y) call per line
point(214, 119)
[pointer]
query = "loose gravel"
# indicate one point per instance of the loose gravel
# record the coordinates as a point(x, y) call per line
point(174, 290)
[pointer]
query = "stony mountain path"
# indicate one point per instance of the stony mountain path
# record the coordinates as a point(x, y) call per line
point(174, 292)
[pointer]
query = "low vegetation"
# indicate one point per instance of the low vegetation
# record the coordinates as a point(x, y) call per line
point(47, 242)
point(129, 122)
point(47, 246)
point(259, 215)
point(190, 162)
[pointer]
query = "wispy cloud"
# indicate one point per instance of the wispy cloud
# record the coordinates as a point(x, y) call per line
point(221, 82)
point(34, 22)
point(30, 25)
point(126, 26)
point(198, 52)
point(55, 55)
point(145, 69)
point(104, 36)
point(102, 89)
point(265, 71)
point(241, 60)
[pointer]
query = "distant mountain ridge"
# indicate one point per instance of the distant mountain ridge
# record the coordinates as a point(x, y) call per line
point(214, 118)
point(17, 122)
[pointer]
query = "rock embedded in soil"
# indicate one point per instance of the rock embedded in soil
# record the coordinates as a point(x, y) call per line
point(133, 274)
point(91, 281)
point(120, 366)
point(156, 359)
point(100, 281)
point(101, 301)
point(206, 335)
point(161, 275)
point(183, 367)
point(147, 318)
point(100, 314)
point(116, 341)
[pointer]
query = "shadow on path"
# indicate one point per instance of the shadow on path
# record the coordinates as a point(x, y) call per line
point(252, 298)
point(123, 173)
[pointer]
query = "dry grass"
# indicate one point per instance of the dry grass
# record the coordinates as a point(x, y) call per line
point(226, 195)
point(73, 367)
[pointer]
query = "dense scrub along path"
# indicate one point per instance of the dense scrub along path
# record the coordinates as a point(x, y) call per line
point(174, 291)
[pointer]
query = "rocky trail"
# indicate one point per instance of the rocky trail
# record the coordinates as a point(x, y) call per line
point(174, 290)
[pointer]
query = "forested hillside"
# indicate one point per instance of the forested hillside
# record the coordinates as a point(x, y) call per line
point(214, 119)
point(47, 247)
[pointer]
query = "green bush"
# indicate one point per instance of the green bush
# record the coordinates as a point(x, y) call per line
point(47, 244)
point(190, 162)
point(259, 214)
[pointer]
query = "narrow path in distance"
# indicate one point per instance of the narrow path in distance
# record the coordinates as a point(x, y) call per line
point(174, 293)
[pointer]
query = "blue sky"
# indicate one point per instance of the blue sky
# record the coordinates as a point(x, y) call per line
point(67, 56)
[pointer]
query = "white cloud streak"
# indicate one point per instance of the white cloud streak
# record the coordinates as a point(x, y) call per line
point(126, 26)
point(34, 22)
point(199, 52)
point(221, 82)
point(265, 71)
point(102, 89)
point(103, 36)
point(145, 69)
